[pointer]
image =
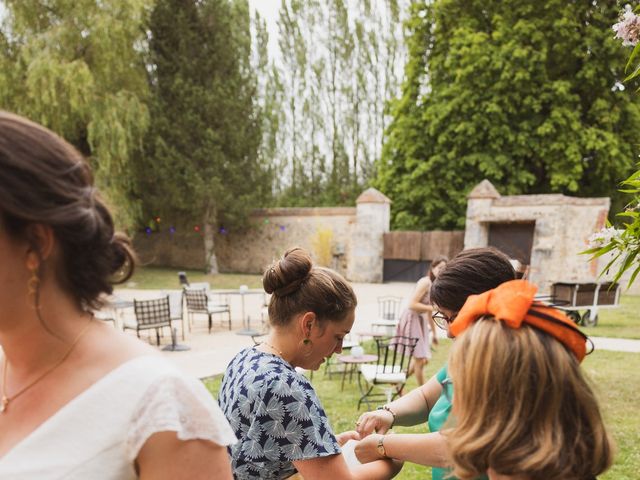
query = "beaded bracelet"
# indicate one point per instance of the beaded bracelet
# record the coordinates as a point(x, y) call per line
point(393, 414)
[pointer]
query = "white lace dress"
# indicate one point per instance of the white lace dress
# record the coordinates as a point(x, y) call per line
point(98, 434)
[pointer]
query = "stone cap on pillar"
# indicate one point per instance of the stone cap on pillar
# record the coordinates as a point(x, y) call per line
point(484, 189)
point(371, 195)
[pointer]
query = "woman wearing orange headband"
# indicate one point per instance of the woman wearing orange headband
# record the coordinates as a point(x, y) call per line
point(522, 407)
point(471, 272)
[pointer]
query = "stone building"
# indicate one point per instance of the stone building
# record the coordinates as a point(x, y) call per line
point(546, 232)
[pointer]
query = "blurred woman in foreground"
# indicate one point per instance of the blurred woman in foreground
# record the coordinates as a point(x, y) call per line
point(79, 399)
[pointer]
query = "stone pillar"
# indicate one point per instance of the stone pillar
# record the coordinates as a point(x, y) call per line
point(548, 258)
point(373, 216)
point(479, 201)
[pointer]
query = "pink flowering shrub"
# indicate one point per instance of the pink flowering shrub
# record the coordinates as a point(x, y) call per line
point(628, 28)
point(623, 245)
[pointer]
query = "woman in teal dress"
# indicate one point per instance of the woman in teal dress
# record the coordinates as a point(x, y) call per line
point(471, 272)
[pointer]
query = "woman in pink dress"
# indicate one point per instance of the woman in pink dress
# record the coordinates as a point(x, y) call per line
point(416, 320)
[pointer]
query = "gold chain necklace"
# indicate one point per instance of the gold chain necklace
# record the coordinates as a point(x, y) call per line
point(4, 402)
point(279, 352)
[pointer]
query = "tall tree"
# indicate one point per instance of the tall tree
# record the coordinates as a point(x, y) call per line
point(524, 94)
point(269, 95)
point(206, 127)
point(78, 68)
point(294, 59)
point(338, 67)
point(339, 46)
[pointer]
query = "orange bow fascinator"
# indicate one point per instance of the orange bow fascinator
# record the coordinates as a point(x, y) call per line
point(513, 303)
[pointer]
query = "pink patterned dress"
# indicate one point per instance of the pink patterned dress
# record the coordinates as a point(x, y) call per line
point(416, 325)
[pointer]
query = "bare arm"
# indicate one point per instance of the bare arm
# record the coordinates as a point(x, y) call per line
point(415, 303)
point(165, 457)
point(432, 325)
point(428, 449)
point(335, 468)
point(410, 409)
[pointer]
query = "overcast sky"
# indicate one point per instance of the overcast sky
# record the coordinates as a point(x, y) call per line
point(268, 9)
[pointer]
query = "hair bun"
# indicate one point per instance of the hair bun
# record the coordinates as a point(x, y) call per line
point(124, 258)
point(285, 276)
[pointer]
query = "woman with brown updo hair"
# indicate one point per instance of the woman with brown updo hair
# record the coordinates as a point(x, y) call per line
point(274, 411)
point(78, 399)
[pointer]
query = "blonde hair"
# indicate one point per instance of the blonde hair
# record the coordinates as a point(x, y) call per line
point(522, 406)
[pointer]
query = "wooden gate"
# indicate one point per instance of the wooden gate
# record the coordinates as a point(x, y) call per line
point(408, 255)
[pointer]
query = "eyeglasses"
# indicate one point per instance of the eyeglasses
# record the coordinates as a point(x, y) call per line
point(442, 320)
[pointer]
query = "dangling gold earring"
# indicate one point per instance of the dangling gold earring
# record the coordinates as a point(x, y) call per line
point(33, 289)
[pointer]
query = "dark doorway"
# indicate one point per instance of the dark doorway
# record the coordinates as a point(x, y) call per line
point(514, 239)
point(405, 270)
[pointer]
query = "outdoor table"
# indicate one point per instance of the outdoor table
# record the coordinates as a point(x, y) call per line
point(117, 305)
point(246, 321)
point(352, 363)
point(174, 346)
point(346, 345)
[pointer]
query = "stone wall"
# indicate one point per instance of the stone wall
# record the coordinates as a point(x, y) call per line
point(278, 229)
point(182, 249)
point(354, 234)
point(562, 227)
point(250, 250)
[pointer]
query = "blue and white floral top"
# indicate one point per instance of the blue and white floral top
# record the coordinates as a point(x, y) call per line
point(276, 415)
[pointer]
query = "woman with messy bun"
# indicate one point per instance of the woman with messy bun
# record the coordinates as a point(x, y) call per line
point(274, 411)
point(78, 399)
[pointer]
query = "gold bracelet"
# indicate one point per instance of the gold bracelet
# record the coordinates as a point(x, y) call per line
point(381, 450)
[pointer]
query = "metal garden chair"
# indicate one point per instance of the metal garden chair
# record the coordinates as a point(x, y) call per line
point(390, 371)
point(198, 303)
point(151, 314)
point(388, 313)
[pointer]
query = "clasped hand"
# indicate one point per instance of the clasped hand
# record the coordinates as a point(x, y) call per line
point(370, 426)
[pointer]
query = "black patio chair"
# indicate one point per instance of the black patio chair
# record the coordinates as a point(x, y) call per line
point(390, 370)
point(151, 314)
point(182, 278)
point(198, 303)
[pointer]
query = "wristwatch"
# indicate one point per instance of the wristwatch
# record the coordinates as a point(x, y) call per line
point(381, 450)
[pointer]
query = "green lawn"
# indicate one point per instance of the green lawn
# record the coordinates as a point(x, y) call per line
point(154, 278)
point(622, 321)
point(615, 376)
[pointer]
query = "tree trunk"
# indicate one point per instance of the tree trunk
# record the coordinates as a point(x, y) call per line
point(211, 261)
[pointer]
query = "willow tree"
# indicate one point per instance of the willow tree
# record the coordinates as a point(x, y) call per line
point(203, 144)
point(78, 68)
point(527, 95)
